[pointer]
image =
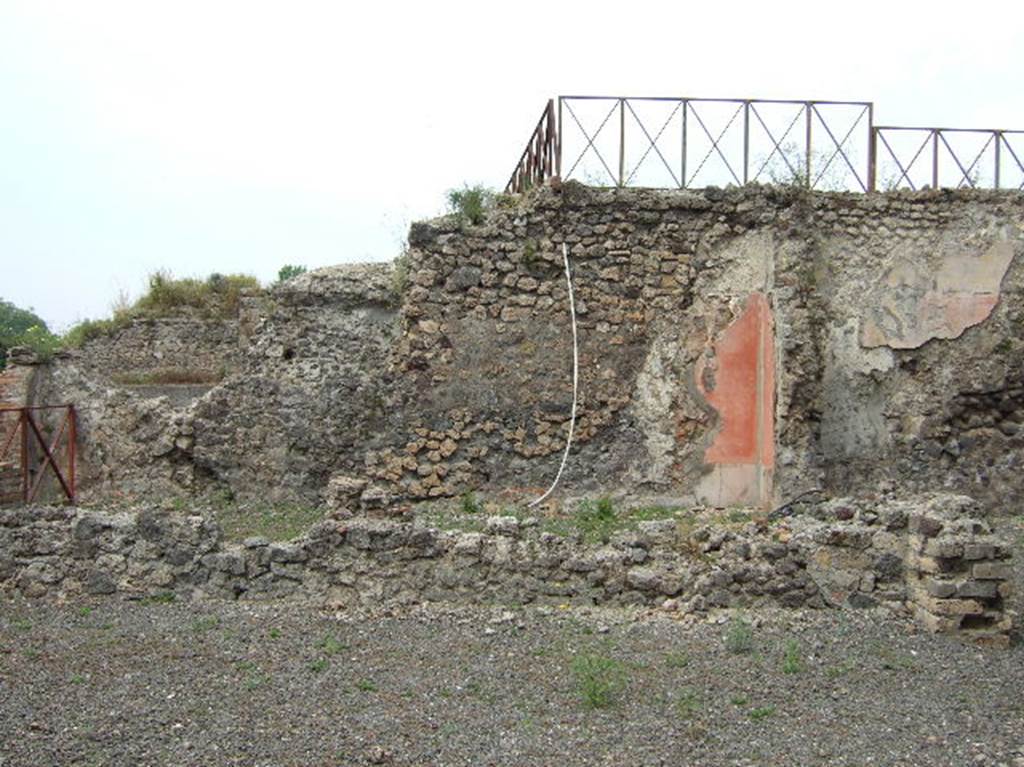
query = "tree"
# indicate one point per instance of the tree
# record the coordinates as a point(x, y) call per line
point(22, 327)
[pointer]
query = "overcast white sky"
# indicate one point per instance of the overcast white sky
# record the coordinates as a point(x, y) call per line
point(241, 136)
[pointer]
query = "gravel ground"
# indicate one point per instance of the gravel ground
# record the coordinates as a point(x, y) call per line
point(217, 683)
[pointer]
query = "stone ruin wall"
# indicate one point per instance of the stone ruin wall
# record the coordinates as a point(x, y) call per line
point(737, 347)
point(929, 555)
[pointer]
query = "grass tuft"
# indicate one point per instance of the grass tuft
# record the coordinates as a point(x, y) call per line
point(739, 637)
point(599, 679)
point(792, 662)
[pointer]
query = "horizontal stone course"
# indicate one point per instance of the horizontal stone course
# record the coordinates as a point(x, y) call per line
point(802, 561)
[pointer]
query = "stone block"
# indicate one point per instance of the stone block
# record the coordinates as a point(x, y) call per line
point(935, 623)
point(974, 551)
point(100, 583)
point(925, 526)
point(952, 607)
point(940, 589)
point(977, 590)
point(993, 571)
point(925, 564)
point(943, 548)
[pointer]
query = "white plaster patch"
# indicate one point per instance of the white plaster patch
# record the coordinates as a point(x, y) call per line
point(749, 260)
point(916, 302)
point(652, 405)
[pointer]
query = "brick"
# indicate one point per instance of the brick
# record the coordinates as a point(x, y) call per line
point(940, 589)
point(932, 564)
point(977, 590)
point(979, 551)
point(944, 549)
point(935, 623)
point(950, 607)
point(992, 571)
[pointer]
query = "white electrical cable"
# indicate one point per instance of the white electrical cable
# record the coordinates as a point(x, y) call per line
point(575, 379)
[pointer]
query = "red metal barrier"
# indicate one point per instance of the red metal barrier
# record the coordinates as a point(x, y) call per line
point(29, 447)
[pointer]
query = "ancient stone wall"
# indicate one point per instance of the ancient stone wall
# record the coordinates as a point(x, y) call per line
point(847, 553)
point(737, 347)
point(205, 349)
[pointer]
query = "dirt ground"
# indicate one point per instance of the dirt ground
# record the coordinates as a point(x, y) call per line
point(116, 682)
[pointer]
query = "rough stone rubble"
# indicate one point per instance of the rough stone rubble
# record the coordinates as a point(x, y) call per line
point(738, 347)
point(932, 556)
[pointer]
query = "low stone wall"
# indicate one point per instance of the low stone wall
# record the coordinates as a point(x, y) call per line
point(845, 554)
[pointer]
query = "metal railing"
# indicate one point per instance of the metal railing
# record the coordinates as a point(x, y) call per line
point(698, 142)
point(542, 154)
point(26, 453)
point(957, 157)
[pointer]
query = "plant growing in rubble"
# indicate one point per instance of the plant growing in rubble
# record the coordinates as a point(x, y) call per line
point(739, 637)
point(470, 504)
point(597, 520)
point(599, 679)
point(470, 203)
point(288, 271)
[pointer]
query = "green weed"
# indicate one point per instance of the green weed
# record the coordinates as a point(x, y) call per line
point(739, 637)
point(365, 685)
point(207, 623)
point(792, 662)
point(216, 297)
point(599, 679)
point(470, 203)
point(687, 703)
point(289, 271)
point(469, 504)
point(596, 520)
point(318, 665)
point(762, 712)
point(739, 700)
point(677, 660)
point(331, 646)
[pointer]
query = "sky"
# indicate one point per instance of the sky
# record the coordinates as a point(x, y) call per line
point(201, 137)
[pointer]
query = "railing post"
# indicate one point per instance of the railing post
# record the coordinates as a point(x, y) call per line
point(622, 141)
point(999, 138)
point(24, 455)
point(807, 145)
point(682, 176)
point(872, 149)
point(935, 158)
point(72, 439)
point(558, 140)
point(746, 141)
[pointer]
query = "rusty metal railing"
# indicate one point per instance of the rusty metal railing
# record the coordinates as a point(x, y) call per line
point(698, 142)
point(540, 160)
point(27, 451)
